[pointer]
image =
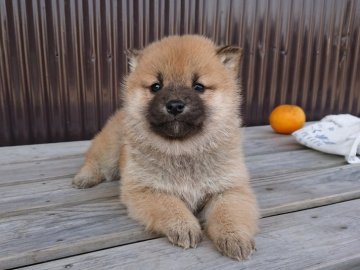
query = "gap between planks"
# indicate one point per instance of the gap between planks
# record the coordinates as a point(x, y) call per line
point(320, 238)
point(109, 216)
point(293, 190)
point(258, 165)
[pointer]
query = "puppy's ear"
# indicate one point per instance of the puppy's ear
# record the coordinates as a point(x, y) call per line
point(133, 58)
point(230, 57)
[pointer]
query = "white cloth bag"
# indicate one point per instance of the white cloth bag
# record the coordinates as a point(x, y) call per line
point(334, 134)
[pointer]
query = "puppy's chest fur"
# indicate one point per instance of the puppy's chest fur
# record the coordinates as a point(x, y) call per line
point(193, 179)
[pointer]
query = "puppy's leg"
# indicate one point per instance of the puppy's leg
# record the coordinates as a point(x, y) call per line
point(232, 222)
point(164, 214)
point(102, 158)
point(89, 175)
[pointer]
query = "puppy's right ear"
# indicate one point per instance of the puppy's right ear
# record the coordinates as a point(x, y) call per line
point(230, 57)
point(133, 58)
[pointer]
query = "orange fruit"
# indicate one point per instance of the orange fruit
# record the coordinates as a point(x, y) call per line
point(286, 119)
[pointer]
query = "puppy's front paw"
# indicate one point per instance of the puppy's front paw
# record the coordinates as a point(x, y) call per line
point(85, 179)
point(186, 234)
point(234, 244)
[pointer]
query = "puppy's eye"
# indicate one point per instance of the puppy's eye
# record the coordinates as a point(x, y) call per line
point(155, 87)
point(199, 87)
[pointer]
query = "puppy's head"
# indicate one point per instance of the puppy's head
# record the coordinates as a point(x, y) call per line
point(182, 93)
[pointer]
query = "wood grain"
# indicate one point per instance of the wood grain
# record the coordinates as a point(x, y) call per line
point(43, 218)
point(87, 223)
point(37, 171)
point(35, 152)
point(260, 166)
point(255, 136)
point(276, 194)
point(319, 238)
point(64, 231)
point(36, 196)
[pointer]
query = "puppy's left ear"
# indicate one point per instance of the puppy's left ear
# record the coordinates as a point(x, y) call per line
point(230, 57)
point(133, 58)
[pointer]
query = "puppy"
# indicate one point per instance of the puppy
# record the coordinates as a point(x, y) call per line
point(177, 144)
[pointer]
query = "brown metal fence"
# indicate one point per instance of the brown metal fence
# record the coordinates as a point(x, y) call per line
point(62, 61)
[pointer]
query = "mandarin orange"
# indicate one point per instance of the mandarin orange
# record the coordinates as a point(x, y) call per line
point(286, 119)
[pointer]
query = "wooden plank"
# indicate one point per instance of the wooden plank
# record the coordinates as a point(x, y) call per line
point(259, 166)
point(275, 164)
point(25, 153)
point(64, 231)
point(42, 186)
point(320, 238)
point(293, 192)
point(48, 193)
point(261, 132)
point(265, 132)
point(37, 171)
point(51, 162)
point(276, 194)
point(29, 197)
point(279, 144)
point(83, 225)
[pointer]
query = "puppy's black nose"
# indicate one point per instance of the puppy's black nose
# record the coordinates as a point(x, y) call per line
point(175, 107)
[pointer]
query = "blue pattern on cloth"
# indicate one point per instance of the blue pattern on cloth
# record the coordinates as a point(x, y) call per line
point(334, 134)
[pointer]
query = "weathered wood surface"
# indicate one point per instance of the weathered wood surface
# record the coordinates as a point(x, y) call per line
point(285, 191)
point(317, 238)
point(260, 166)
point(35, 152)
point(26, 153)
point(43, 218)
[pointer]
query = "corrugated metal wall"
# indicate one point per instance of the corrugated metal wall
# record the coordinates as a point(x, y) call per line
point(62, 62)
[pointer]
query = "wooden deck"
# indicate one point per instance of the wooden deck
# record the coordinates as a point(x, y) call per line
point(310, 203)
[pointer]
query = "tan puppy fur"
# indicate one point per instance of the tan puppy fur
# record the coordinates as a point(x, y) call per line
point(177, 144)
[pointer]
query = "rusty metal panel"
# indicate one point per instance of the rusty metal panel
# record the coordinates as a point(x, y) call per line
point(62, 61)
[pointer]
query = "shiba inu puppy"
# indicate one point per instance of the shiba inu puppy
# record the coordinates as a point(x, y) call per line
point(176, 143)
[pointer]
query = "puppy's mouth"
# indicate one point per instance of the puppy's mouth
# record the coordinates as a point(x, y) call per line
point(176, 129)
